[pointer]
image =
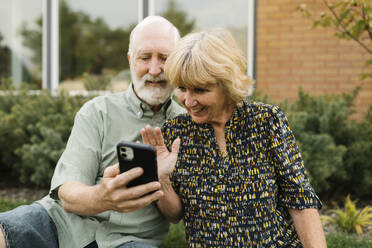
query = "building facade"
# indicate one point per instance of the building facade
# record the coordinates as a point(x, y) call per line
point(292, 54)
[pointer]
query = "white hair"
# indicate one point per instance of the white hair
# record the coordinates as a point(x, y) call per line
point(147, 21)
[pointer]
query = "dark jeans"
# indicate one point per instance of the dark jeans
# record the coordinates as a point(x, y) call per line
point(22, 231)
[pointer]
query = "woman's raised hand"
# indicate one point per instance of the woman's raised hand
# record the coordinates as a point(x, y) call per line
point(166, 160)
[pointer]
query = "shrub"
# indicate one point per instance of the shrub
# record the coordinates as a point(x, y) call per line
point(318, 123)
point(336, 150)
point(96, 82)
point(33, 132)
point(350, 219)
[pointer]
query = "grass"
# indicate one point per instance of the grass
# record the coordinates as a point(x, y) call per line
point(7, 204)
point(336, 240)
point(176, 238)
point(176, 235)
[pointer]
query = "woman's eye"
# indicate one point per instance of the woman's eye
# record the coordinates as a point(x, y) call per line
point(200, 90)
point(181, 88)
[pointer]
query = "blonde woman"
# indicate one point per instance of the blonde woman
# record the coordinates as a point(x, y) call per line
point(235, 174)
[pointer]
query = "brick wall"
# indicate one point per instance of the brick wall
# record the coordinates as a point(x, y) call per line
point(290, 54)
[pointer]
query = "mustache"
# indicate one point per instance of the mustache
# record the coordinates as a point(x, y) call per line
point(160, 77)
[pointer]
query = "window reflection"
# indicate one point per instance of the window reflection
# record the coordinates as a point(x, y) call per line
point(20, 51)
point(206, 14)
point(94, 38)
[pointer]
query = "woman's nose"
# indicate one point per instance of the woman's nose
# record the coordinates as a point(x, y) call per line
point(190, 101)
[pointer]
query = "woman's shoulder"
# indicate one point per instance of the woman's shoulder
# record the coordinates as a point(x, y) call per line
point(260, 109)
point(179, 122)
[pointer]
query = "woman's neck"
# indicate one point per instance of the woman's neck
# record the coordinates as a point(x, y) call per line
point(219, 130)
point(223, 118)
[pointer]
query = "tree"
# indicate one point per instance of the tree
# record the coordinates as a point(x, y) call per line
point(90, 45)
point(86, 45)
point(352, 20)
point(178, 18)
point(4, 59)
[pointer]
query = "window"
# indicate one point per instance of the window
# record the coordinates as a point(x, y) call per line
point(234, 15)
point(20, 43)
point(93, 43)
point(83, 44)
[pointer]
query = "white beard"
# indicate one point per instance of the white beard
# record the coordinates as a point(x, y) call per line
point(151, 95)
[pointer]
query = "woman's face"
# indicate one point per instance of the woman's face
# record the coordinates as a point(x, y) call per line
point(205, 105)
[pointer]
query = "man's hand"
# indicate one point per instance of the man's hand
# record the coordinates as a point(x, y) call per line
point(110, 194)
point(116, 196)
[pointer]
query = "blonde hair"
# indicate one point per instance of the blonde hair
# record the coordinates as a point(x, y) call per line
point(209, 58)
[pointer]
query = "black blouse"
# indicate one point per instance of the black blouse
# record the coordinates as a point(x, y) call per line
point(240, 199)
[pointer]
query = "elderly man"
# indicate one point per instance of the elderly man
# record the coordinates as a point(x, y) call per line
point(89, 204)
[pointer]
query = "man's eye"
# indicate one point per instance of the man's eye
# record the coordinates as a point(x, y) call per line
point(144, 58)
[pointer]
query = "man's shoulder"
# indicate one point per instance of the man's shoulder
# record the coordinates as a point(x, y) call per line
point(102, 102)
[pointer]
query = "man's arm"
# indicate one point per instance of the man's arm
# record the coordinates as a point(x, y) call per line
point(308, 227)
point(110, 194)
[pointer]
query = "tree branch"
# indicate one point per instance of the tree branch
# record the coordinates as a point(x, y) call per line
point(344, 30)
point(365, 21)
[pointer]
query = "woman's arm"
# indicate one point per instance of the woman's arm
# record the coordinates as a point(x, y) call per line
point(170, 204)
point(308, 227)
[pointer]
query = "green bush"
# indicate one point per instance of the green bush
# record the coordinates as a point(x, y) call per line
point(357, 161)
point(336, 150)
point(33, 133)
point(350, 219)
point(97, 82)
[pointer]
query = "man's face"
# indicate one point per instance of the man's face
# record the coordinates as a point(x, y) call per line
point(152, 46)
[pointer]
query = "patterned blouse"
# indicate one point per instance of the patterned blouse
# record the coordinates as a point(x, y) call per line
point(240, 199)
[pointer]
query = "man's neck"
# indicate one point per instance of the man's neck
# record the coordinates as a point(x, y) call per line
point(156, 108)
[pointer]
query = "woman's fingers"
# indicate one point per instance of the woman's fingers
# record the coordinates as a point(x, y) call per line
point(145, 139)
point(150, 135)
point(159, 137)
point(176, 145)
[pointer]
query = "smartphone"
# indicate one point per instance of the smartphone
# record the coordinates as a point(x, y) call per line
point(131, 154)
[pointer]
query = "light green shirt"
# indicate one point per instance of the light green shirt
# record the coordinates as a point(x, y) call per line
point(99, 126)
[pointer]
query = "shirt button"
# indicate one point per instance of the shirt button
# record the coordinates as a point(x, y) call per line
point(139, 114)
